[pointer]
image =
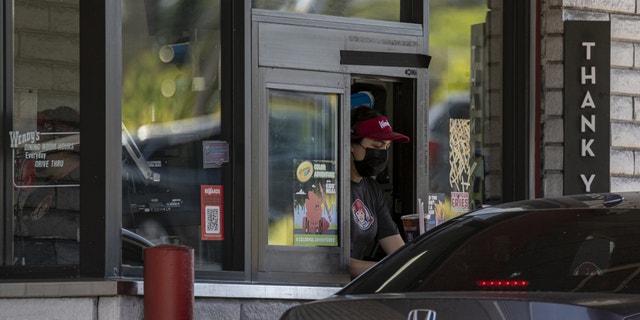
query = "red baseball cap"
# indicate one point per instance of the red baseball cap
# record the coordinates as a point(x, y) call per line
point(378, 129)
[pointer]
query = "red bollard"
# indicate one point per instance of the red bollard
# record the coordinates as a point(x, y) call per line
point(168, 282)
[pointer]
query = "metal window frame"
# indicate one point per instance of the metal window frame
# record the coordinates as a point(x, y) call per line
point(266, 22)
point(100, 161)
point(516, 101)
point(100, 131)
point(6, 96)
point(235, 130)
point(278, 79)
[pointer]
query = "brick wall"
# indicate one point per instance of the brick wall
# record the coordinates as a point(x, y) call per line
point(624, 16)
point(47, 51)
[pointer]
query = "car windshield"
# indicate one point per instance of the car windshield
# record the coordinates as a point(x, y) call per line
point(564, 250)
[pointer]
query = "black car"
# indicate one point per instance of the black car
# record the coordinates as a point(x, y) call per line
point(571, 257)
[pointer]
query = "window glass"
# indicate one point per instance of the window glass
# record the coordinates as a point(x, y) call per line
point(388, 10)
point(463, 85)
point(44, 135)
point(174, 157)
point(303, 138)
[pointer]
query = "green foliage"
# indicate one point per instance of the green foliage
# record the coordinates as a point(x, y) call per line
point(375, 9)
point(454, 3)
point(449, 32)
point(450, 46)
point(142, 98)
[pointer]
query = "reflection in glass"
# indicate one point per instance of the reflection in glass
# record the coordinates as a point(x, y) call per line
point(459, 145)
point(388, 10)
point(45, 139)
point(302, 168)
point(171, 124)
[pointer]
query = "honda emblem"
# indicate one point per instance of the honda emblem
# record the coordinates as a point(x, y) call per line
point(422, 314)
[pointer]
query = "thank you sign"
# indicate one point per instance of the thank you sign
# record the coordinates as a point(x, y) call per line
point(586, 106)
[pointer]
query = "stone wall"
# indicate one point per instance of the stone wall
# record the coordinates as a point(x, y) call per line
point(132, 308)
point(624, 16)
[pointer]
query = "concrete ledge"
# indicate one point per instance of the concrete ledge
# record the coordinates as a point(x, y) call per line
point(206, 290)
point(263, 291)
point(245, 291)
point(58, 289)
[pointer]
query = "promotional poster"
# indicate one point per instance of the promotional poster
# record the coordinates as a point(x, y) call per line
point(314, 203)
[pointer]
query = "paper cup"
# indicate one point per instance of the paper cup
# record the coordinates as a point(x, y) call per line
point(411, 226)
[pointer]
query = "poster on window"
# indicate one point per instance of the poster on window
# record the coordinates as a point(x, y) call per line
point(436, 209)
point(212, 212)
point(46, 149)
point(314, 203)
point(459, 202)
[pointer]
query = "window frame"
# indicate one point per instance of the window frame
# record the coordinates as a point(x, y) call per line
point(100, 159)
point(517, 119)
point(316, 83)
point(6, 38)
point(100, 162)
point(101, 91)
point(93, 230)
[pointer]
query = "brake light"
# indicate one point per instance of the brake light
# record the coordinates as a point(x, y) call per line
point(502, 284)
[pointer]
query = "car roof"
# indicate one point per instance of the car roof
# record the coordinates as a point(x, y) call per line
point(622, 200)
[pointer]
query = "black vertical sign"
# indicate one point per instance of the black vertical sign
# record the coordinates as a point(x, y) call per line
point(586, 106)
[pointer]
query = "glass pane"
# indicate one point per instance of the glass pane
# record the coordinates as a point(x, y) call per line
point(45, 134)
point(388, 10)
point(459, 116)
point(303, 139)
point(174, 156)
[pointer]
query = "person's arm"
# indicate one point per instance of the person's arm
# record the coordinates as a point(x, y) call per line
point(389, 244)
point(389, 238)
point(356, 267)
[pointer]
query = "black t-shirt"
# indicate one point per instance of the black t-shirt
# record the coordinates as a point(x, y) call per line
point(370, 216)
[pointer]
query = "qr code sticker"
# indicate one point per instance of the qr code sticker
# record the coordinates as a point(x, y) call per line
point(212, 215)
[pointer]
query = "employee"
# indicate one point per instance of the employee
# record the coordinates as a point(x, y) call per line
point(371, 137)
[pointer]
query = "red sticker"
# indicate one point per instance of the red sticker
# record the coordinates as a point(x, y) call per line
point(212, 212)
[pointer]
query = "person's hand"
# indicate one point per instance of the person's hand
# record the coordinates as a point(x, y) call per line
point(438, 207)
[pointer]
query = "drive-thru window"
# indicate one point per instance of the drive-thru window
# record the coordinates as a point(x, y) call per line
point(303, 79)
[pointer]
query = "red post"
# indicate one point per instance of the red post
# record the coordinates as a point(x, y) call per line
point(168, 282)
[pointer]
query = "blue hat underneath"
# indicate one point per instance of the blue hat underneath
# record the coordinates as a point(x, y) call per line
point(362, 98)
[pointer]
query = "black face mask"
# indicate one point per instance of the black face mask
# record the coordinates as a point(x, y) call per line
point(375, 160)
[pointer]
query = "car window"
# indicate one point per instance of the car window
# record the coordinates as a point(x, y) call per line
point(550, 250)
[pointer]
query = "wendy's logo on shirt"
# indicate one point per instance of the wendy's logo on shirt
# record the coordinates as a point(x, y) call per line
point(361, 215)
